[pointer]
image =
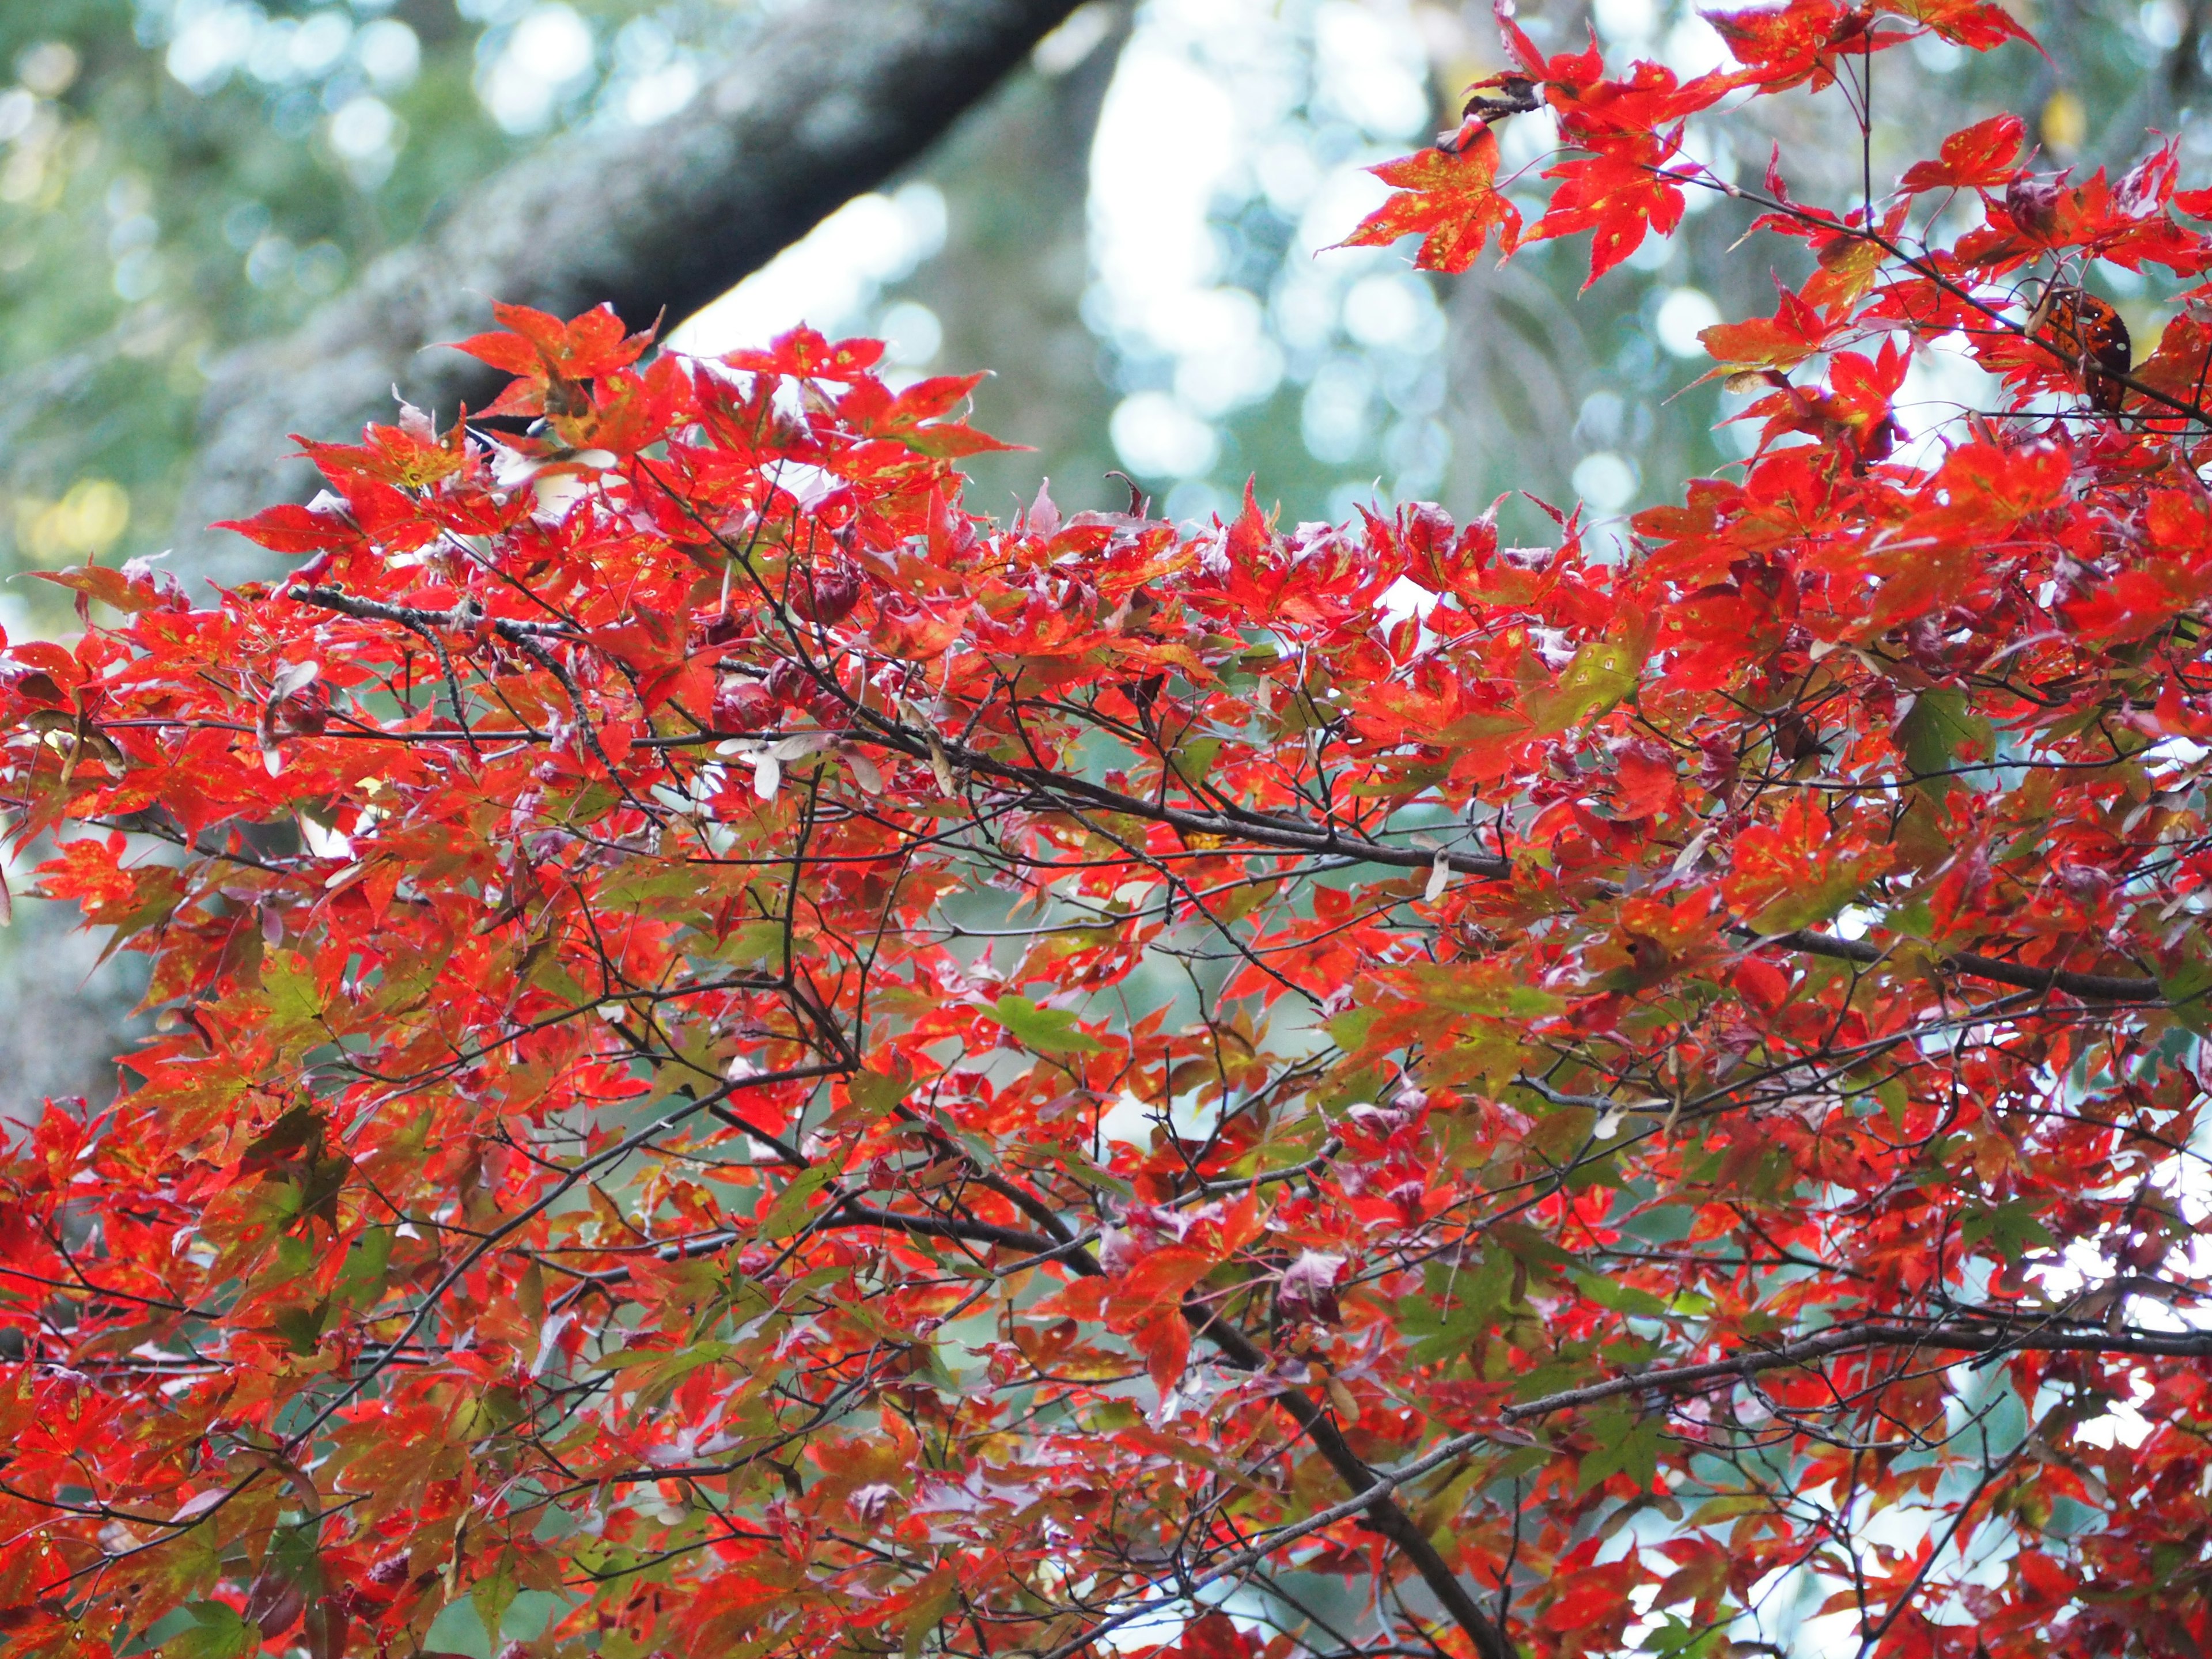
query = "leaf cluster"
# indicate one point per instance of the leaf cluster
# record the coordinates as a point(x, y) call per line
point(753, 1063)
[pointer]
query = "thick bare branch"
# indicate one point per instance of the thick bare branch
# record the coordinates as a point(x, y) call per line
point(824, 104)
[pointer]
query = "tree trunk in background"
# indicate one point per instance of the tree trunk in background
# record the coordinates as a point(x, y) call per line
point(823, 105)
point(828, 103)
point(1008, 286)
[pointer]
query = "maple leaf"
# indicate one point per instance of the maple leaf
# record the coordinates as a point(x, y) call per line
point(1617, 198)
point(1570, 73)
point(1795, 332)
point(804, 354)
point(1979, 25)
point(1788, 46)
point(915, 416)
point(1979, 155)
point(539, 347)
point(1451, 201)
point(290, 528)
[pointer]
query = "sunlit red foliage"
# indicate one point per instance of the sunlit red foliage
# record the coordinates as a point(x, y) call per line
point(750, 1063)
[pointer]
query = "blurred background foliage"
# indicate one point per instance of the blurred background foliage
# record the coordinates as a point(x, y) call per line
point(180, 176)
point(1132, 232)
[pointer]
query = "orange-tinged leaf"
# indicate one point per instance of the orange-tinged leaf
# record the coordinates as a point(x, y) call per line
point(1452, 202)
point(1981, 155)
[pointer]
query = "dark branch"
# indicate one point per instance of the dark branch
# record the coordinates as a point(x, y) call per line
point(823, 105)
point(1950, 1338)
point(1298, 835)
point(1371, 1493)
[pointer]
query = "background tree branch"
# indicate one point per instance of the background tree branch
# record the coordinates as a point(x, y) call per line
point(823, 105)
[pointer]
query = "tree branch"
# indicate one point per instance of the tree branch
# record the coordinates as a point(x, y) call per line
point(1384, 1513)
point(1371, 1491)
point(1950, 1338)
point(823, 105)
point(1297, 835)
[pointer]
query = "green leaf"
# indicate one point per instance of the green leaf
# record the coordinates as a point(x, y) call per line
point(493, 1594)
point(757, 943)
point(1437, 1515)
point(1677, 1638)
point(181, 1565)
point(1624, 1446)
point(1194, 759)
point(1043, 1030)
point(698, 1055)
point(1896, 1100)
point(1938, 729)
point(1094, 1176)
point(1914, 919)
point(590, 802)
point(922, 1619)
point(1438, 1336)
point(360, 1281)
point(406, 980)
point(2187, 989)
point(1478, 988)
point(1608, 1292)
point(790, 1211)
point(1602, 672)
point(301, 1327)
point(1814, 901)
point(650, 1375)
point(216, 1632)
point(154, 899)
point(295, 1001)
point(1438, 1333)
point(877, 1094)
point(1532, 1246)
point(2012, 1226)
point(1348, 1030)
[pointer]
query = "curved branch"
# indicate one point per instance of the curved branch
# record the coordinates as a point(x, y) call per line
point(1296, 835)
point(1951, 1337)
point(1371, 1492)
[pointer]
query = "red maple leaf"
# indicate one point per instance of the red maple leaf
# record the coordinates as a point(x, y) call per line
point(1450, 201)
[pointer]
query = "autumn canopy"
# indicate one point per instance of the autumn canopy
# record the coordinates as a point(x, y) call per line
point(750, 1063)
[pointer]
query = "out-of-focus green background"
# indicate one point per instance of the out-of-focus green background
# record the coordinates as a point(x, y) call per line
point(1133, 232)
